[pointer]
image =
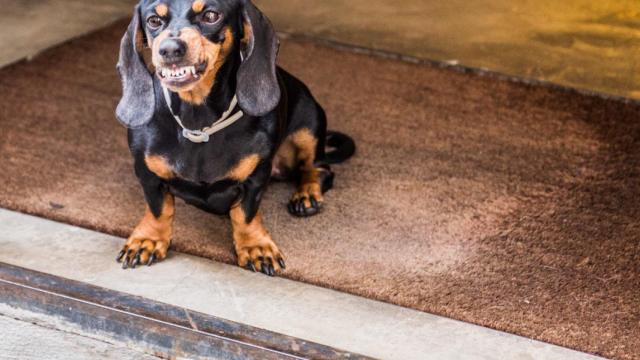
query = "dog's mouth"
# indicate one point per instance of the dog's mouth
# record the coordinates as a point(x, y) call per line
point(180, 76)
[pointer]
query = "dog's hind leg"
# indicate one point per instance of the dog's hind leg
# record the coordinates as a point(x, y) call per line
point(313, 180)
point(302, 153)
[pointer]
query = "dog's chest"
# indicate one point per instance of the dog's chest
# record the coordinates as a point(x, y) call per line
point(203, 167)
point(222, 158)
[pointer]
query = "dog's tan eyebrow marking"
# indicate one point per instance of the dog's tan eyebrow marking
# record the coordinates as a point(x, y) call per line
point(162, 10)
point(197, 6)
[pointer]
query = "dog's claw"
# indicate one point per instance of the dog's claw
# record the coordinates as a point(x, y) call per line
point(136, 260)
point(251, 267)
point(281, 262)
point(120, 255)
point(310, 211)
point(152, 258)
point(267, 267)
point(271, 271)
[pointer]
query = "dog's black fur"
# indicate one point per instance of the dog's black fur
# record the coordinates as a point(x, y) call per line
point(276, 106)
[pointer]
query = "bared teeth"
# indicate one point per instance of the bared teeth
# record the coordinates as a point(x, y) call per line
point(177, 72)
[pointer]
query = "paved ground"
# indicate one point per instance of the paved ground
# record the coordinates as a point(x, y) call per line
point(29, 26)
point(321, 315)
point(581, 43)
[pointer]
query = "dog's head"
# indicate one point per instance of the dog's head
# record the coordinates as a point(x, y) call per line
point(190, 40)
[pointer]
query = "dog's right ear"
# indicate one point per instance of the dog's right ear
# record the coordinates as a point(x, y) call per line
point(136, 107)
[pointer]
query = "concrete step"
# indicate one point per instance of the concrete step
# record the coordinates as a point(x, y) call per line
point(294, 309)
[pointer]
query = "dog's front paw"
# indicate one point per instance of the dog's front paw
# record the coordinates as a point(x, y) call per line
point(259, 254)
point(141, 251)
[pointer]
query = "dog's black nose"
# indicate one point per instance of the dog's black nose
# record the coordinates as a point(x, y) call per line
point(172, 50)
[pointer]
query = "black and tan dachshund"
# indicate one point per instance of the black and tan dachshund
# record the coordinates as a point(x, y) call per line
point(212, 119)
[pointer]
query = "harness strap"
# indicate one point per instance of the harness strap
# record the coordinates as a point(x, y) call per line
point(202, 135)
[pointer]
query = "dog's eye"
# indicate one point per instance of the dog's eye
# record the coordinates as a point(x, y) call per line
point(210, 17)
point(154, 22)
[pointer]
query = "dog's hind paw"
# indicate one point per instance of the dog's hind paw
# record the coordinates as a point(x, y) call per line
point(304, 206)
point(307, 201)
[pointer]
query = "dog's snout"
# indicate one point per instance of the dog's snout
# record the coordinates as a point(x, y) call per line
point(172, 50)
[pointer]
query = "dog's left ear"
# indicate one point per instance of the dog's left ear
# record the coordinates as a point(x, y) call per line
point(258, 90)
point(136, 107)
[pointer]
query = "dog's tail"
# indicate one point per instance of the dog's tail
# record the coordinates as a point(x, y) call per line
point(341, 147)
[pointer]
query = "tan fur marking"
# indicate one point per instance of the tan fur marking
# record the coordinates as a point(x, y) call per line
point(252, 241)
point(305, 144)
point(153, 234)
point(139, 41)
point(215, 54)
point(298, 149)
point(284, 161)
point(162, 10)
point(244, 168)
point(248, 33)
point(159, 166)
point(197, 6)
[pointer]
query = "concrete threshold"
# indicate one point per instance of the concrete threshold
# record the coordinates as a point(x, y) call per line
point(147, 326)
point(320, 315)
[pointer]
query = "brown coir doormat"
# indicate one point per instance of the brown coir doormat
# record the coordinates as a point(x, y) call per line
point(511, 206)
